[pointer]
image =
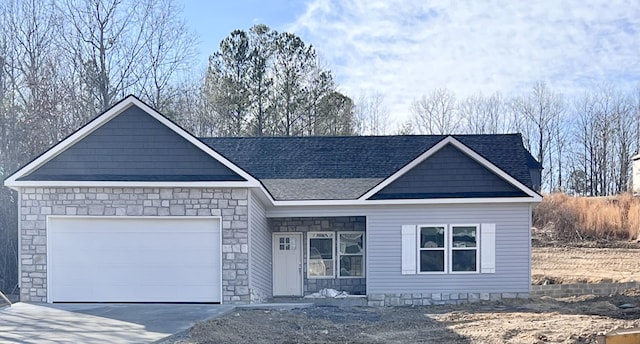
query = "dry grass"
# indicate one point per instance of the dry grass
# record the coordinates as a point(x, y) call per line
point(615, 217)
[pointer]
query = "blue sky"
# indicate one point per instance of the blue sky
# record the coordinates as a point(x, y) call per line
point(404, 49)
point(213, 20)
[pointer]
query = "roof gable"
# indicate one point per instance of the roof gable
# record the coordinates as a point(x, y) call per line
point(130, 143)
point(431, 190)
point(448, 173)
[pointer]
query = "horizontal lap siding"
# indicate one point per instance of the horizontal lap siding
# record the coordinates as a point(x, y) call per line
point(448, 172)
point(133, 146)
point(512, 249)
point(260, 248)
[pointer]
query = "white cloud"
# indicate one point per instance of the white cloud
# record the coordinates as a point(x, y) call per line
point(404, 49)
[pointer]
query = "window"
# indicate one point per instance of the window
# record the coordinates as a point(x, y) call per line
point(432, 253)
point(464, 248)
point(351, 254)
point(320, 255)
point(451, 248)
point(287, 244)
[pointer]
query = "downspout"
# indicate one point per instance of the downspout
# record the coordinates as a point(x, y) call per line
point(530, 220)
point(20, 239)
point(249, 250)
point(366, 256)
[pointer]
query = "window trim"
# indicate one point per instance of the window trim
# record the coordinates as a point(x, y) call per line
point(448, 249)
point(477, 248)
point(363, 254)
point(420, 248)
point(311, 235)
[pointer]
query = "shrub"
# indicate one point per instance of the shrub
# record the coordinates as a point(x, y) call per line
point(569, 218)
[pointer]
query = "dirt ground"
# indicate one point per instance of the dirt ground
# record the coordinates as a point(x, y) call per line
point(546, 320)
point(584, 265)
point(568, 320)
point(558, 261)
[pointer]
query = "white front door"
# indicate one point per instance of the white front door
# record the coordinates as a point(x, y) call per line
point(287, 264)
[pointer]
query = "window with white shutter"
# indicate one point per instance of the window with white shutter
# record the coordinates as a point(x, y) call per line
point(487, 248)
point(409, 249)
point(454, 248)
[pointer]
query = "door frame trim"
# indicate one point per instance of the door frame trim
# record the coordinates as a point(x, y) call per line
point(273, 257)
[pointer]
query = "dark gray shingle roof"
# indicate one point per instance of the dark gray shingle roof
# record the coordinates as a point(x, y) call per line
point(343, 157)
point(308, 189)
point(293, 167)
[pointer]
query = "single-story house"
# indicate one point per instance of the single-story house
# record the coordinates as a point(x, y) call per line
point(133, 208)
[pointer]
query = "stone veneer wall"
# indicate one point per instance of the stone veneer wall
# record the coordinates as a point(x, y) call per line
point(553, 290)
point(418, 299)
point(320, 224)
point(230, 204)
point(573, 289)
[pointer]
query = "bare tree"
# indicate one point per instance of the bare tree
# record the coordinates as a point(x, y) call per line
point(625, 124)
point(372, 114)
point(29, 107)
point(560, 144)
point(584, 131)
point(604, 134)
point(406, 128)
point(108, 38)
point(483, 115)
point(169, 49)
point(8, 156)
point(541, 109)
point(436, 113)
point(31, 28)
point(607, 136)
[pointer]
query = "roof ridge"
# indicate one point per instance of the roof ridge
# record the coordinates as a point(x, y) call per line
point(354, 136)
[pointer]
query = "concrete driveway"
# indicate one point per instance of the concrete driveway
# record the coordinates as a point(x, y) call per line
point(100, 323)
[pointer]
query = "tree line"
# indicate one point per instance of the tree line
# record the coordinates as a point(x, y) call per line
point(585, 143)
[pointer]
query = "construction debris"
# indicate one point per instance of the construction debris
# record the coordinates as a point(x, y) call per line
point(328, 293)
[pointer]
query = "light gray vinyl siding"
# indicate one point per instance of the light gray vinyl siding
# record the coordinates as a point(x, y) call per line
point(260, 261)
point(384, 249)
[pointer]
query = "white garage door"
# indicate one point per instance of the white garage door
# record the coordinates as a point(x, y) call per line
point(93, 259)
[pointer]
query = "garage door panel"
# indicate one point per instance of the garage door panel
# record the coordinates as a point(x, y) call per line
point(147, 257)
point(134, 259)
point(112, 277)
point(157, 294)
